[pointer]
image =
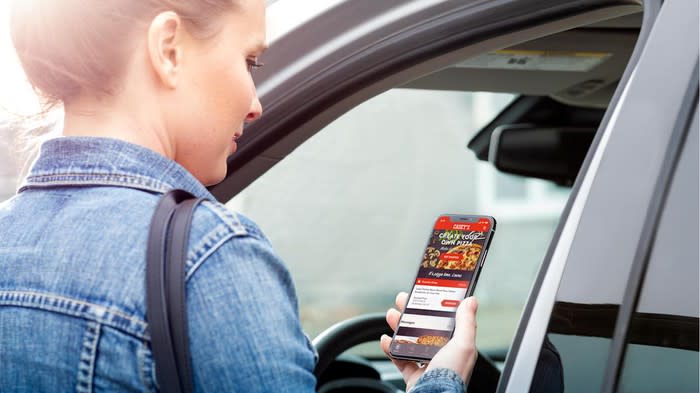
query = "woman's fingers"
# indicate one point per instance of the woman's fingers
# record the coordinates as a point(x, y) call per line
point(459, 354)
point(384, 342)
point(401, 300)
point(406, 367)
point(393, 315)
point(465, 321)
point(392, 318)
point(409, 369)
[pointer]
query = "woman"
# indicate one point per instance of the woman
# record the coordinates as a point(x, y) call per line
point(155, 94)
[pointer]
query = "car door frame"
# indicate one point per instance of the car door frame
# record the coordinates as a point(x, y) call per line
point(522, 359)
point(337, 71)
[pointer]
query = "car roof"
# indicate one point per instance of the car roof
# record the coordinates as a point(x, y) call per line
point(579, 67)
point(606, 44)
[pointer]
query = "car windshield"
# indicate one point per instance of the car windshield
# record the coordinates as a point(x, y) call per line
point(350, 210)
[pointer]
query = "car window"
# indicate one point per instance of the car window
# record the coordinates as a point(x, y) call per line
point(662, 344)
point(351, 209)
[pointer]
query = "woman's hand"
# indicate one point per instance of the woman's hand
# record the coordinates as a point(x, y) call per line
point(459, 354)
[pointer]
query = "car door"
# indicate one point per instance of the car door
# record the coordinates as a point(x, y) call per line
point(366, 48)
point(355, 50)
point(601, 302)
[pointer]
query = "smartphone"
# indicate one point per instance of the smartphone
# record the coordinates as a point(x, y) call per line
point(447, 274)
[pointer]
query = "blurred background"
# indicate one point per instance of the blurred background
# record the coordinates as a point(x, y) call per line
point(21, 115)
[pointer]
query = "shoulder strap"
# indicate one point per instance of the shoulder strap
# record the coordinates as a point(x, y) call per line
point(165, 290)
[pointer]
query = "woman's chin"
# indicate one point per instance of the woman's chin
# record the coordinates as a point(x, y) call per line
point(214, 175)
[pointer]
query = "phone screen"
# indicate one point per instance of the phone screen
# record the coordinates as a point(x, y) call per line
point(446, 275)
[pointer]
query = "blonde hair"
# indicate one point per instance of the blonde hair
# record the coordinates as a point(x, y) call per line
point(69, 47)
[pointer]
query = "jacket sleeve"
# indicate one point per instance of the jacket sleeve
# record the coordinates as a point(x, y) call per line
point(244, 329)
point(439, 380)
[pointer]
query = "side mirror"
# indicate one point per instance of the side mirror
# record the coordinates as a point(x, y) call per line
point(550, 153)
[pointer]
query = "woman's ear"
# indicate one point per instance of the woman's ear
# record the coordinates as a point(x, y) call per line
point(165, 47)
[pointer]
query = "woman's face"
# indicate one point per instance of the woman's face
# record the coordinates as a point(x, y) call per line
point(216, 94)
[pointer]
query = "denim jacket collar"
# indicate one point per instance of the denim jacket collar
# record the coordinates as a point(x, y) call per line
point(93, 161)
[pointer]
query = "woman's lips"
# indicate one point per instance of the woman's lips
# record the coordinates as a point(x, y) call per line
point(235, 139)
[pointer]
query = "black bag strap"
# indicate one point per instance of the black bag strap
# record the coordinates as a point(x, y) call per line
point(165, 290)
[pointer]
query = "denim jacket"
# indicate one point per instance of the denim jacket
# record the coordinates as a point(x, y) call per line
point(72, 271)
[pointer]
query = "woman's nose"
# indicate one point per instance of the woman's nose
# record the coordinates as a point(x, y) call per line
point(255, 111)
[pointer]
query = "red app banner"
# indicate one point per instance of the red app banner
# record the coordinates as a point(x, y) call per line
point(446, 223)
point(436, 282)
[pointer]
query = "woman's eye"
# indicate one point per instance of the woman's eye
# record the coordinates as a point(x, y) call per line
point(253, 64)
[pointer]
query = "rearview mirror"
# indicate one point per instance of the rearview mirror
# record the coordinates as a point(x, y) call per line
point(550, 153)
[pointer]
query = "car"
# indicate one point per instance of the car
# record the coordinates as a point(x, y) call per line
point(594, 268)
point(572, 122)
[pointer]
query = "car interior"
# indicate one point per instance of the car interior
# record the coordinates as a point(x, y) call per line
point(557, 89)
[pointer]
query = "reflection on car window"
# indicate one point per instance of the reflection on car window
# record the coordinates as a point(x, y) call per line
point(351, 209)
point(662, 349)
point(662, 343)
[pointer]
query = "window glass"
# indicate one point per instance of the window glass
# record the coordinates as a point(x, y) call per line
point(351, 209)
point(510, 187)
point(662, 350)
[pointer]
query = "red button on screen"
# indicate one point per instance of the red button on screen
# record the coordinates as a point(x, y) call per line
point(450, 303)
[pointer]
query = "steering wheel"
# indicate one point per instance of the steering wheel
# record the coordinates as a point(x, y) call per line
point(365, 328)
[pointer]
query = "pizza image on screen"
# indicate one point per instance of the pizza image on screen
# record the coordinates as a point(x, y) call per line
point(430, 257)
point(470, 255)
point(404, 341)
point(436, 341)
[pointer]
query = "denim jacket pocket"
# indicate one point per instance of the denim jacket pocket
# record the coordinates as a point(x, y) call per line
point(147, 368)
